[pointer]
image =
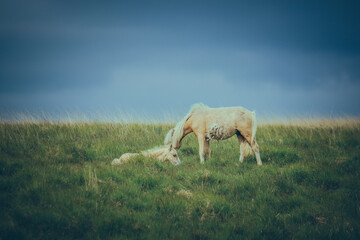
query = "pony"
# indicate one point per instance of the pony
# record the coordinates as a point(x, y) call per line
point(217, 124)
point(161, 153)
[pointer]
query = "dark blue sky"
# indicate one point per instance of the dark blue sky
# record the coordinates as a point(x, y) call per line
point(152, 57)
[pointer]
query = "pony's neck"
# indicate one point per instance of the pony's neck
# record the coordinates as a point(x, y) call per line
point(187, 128)
point(182, 128)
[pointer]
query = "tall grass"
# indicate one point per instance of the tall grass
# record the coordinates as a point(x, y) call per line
point(56, 181)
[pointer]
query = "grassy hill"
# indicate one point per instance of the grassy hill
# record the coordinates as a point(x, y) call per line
point(56, 181)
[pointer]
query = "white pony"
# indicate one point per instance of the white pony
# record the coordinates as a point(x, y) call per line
point(219, 124)
point(162, 153)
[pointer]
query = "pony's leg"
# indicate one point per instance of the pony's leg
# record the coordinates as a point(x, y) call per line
point(201, 140)
point(207, 149)
point(241, 140)
point(255, 148)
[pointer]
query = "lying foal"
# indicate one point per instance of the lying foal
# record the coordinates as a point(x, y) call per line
point(162, 153)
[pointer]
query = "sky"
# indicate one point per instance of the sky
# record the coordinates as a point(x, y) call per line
point(279, 58)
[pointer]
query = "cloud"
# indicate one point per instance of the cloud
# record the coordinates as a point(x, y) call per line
point(154, 92)
point(140, 55)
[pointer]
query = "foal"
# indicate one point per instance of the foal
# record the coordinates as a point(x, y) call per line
point(162, 153)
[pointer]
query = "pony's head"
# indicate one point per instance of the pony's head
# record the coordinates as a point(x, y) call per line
point(172, 156)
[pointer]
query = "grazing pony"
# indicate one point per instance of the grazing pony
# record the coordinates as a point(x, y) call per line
point(219, 124)
point(162, 153)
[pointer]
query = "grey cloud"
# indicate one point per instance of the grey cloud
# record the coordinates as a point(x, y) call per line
point(142, 55)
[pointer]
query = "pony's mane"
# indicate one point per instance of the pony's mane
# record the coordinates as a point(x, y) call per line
point(168, 136)
point(179, 128)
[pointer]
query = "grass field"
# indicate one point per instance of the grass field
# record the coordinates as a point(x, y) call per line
point(56, 182)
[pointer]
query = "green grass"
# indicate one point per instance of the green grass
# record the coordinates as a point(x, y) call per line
point(56, 181)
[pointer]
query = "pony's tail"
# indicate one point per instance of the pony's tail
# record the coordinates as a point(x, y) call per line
point(245, 146)
point(254, 127)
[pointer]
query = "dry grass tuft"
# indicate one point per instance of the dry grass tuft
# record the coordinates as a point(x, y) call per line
point(184, 193)
point(91, 181)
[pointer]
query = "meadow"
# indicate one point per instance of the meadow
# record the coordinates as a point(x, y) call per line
point(56, 182)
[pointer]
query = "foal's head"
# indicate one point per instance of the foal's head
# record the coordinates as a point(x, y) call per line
point(172, 156)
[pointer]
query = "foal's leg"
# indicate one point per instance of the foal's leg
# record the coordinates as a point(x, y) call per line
point(241, 141)
point(202, 141)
